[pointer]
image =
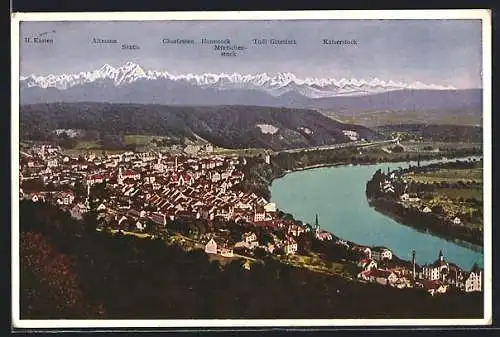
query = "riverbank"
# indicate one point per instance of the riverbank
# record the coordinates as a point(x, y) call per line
point(443, 199)
point(338, 196)
point(260, 175)
point(425, 223)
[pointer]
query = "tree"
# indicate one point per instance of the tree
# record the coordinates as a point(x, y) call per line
point(265, 238)
point(397, 149)
point(90, 221)
point(80, 189)
point(438, 209)
point(99, 191)
point(259, 253)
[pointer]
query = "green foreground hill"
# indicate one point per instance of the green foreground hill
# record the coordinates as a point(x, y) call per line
point(69, 270)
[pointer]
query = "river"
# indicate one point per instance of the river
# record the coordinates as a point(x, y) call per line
point(337, 195)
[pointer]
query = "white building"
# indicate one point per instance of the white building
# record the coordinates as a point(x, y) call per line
point(379, 254)
point(270, 207)
point(211, 247)
point(473, 282)
point(259, 215)
point(290, 246)
point(427, 210)
point(367, 264)
point(353, 135)
point(226, 252)
point(52, 163)
point(249, 237)
point(436, 271)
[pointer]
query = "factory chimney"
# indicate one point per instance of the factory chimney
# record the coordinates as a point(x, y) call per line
point(413, 261)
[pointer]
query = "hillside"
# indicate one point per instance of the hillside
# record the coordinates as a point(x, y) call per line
point(99, 275)
point(225, 126)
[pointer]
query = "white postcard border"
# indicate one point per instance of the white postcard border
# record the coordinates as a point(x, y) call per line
point(480, 14)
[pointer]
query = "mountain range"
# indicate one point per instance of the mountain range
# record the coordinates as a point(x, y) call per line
point(130, 83)
point(276, 85)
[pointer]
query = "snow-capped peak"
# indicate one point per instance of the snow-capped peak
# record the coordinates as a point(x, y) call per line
point(106, 68)
point(275, 85)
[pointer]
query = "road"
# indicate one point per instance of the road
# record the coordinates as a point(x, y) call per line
point(340, 146)
point(25, 154)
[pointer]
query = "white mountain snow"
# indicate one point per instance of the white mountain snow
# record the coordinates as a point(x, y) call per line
point(275, 85)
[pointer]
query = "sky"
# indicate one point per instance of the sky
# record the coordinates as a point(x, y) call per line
point(443, 52)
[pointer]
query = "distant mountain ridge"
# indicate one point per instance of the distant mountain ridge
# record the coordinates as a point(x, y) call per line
point(275, 85)
point(132, 84)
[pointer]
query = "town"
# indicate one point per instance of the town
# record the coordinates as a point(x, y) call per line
point(147, 193)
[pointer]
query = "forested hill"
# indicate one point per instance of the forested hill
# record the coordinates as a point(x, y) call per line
point(225, 126)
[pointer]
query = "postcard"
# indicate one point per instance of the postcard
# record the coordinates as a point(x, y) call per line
point(251, 169)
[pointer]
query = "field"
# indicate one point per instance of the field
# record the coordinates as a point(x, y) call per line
point(377, 118)
point(450, 176)
point(318, 265)
point(239, 152)
point(464, 193)
point(455, 199)
point(430, 146)
point(139, 140)
point(87, 145)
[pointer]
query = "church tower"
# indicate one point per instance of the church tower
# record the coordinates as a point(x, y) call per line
point(316, 223)
point(441, 257)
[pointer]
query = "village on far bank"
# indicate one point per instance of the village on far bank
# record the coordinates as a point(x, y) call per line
point(150, 194)
point(446, 197)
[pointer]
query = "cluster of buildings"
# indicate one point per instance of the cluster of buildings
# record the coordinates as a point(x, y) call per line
point(377, 266)
point(353, 135)
point(394, 183)
point(248, 241)
point(144, 191)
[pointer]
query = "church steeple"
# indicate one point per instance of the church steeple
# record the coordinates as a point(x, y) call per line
point(316, 223)
point(441, 257)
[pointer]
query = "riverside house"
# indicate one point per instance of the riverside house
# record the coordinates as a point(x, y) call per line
point(367, 264)
point(211, 247)
point(381, 253)
point(366, 251)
